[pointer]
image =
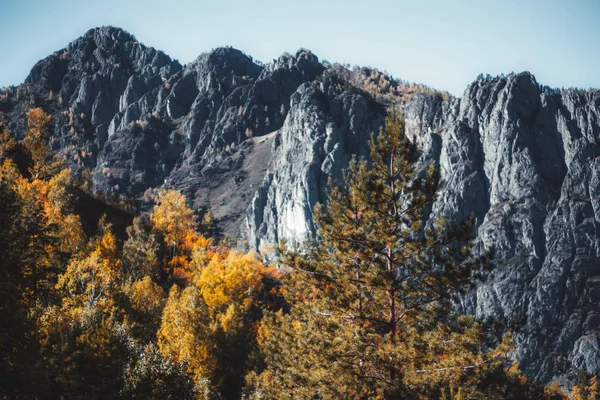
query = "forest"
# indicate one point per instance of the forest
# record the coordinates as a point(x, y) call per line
point(100, 301)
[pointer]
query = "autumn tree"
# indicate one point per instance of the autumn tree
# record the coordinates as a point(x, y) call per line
point(23, 237)
point(90, 281)
point(148, 375)
point(141, 251)
point(183, 334)
point(58, 203)
point(47, 187)
point(371, 298)
point(41, 233)
point(36, 143)
point(177, 224)
point(231, 286)
point(144, 312)
point(7, 143)
point(39, 257)
point(210, 325)
point(586, 388)
point(172, 216)
point(77, 332)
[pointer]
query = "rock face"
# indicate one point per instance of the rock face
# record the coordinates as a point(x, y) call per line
point(84, 85)
point(212, 105)
point(102, 73)
point(257, 144)
point(524, 163)
point(324, 129)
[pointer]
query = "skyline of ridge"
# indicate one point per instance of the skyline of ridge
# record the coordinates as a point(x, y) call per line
point(447, 49)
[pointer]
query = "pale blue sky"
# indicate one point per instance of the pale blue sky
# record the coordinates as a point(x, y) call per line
point(444, 44)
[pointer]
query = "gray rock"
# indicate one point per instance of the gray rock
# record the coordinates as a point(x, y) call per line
point(324, 128)
point(85, 84)
point(524, 163)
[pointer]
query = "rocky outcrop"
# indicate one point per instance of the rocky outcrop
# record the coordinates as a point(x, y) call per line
point(137, 158)
point(257, 144)
point(102, 72)
point(523, 162)
point(215, 103)
point(324, 129)
point(84, 85)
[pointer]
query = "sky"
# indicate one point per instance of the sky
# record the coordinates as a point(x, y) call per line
point(443, 44)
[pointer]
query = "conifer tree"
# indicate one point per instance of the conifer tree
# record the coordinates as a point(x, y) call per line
point(371, 297)
point(22, 241)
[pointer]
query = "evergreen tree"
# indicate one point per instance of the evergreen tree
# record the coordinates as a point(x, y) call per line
point(22, 240)
point(371, 298)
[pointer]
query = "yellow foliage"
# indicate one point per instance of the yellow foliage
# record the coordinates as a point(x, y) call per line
point(184, 335)
point(231, 285)
point(176, 221)
point(173, 217)
point(9, 171)
point(7, 143)
point(141, 252)
point(38, 123)
point(147, 297)
point(207, 323)
point(72, 239)
point(587, 389)
point(59, 195)
point(90, 282)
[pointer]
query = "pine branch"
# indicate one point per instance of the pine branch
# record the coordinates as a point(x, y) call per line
point(464, 368)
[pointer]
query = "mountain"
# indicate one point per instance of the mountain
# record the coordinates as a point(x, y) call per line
point(256, 144)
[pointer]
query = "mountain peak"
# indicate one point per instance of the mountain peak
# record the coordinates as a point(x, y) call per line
point(108, 31)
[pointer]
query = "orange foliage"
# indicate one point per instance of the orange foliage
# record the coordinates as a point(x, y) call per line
point(176, 221)
point(90, 281)
point(38, 123)
point(230, 286)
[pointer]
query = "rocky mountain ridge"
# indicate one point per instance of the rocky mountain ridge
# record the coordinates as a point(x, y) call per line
point(256, 145)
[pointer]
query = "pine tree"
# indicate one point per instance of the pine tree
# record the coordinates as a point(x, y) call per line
point(23, 238)
point(371, 297)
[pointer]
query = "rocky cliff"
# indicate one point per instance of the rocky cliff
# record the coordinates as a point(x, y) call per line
point(257, 143)
point(525, 164)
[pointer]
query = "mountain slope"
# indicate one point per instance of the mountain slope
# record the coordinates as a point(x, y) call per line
point(256, 145)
